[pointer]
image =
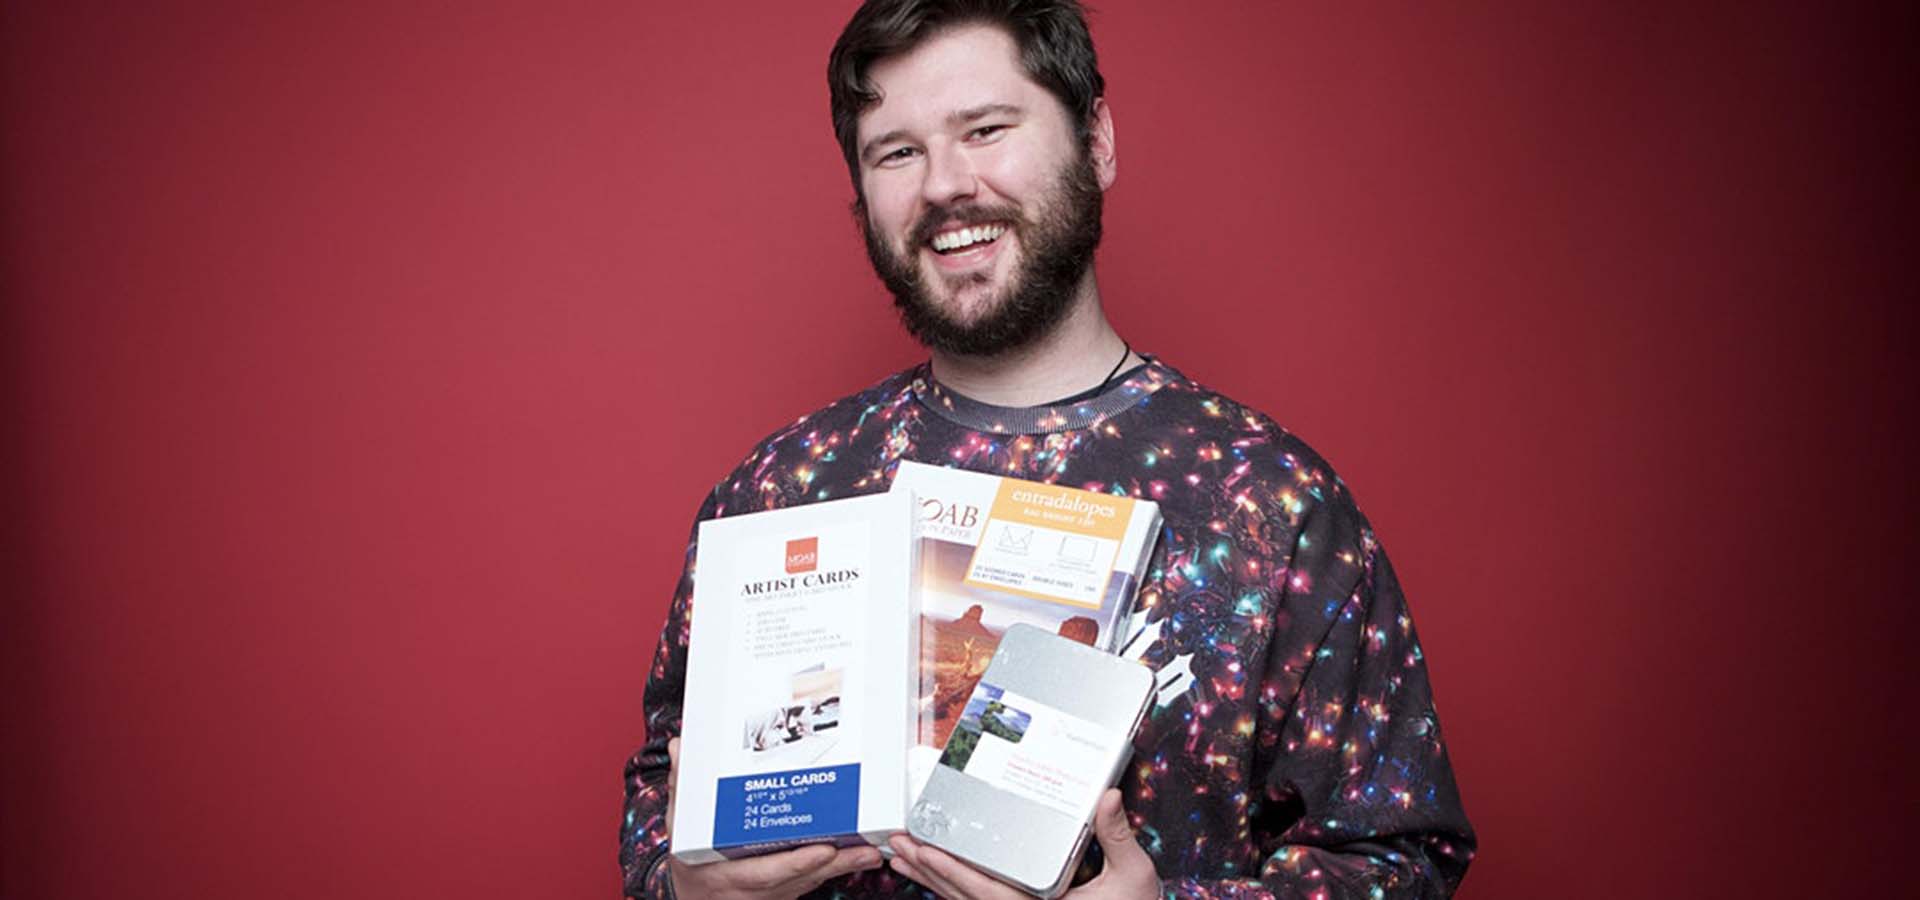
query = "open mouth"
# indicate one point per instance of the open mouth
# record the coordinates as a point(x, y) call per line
point(961, 240)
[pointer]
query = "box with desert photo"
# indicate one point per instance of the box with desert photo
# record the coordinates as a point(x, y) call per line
point(997, 551)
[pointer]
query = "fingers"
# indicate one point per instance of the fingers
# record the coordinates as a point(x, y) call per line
point(754, 876)
point(775, 869)
point(906, 859)
point(801, 869)
point(906, 870)
point(946, 875)
point(906, 852)
point(786, 874)
point(846, 862)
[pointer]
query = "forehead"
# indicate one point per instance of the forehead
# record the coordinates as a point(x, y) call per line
point(955, 69)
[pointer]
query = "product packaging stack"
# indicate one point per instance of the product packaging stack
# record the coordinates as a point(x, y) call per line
point(834, 646)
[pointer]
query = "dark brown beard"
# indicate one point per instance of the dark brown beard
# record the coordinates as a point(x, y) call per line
point(1058, 247)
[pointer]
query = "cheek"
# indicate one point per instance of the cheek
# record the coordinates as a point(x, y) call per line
point(884, 225)
point(889, 207)
point(1022, 174)
point(1011, 175)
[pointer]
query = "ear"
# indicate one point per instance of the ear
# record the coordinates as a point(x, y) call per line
point(1100, 144)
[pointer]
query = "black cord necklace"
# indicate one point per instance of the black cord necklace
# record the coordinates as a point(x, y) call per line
point(1126, 351)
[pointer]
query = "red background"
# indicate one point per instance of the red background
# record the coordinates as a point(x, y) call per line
point(365, 362)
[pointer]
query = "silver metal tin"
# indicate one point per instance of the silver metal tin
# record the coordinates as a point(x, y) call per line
point(1025, 843)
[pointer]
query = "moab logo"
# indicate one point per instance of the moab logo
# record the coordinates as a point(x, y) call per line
point(803, 555)
point(949, 514)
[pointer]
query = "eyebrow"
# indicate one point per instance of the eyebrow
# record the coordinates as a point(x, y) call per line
point(961, 117)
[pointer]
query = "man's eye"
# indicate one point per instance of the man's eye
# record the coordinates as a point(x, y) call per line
point(895, 156)
point(985, 132)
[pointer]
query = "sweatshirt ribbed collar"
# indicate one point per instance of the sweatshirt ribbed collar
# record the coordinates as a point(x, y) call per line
point(968, 412)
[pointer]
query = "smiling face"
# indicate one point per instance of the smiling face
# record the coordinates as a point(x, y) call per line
point(981, 208)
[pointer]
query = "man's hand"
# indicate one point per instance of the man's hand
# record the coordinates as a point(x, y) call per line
point(1129, 874)
point(781, 876)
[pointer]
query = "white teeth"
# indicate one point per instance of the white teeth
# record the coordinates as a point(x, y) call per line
point(962, 237)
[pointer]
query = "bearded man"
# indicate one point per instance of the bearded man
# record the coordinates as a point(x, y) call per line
point(1293, 749)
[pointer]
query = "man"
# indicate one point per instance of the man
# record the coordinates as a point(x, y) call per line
point(1293, 749)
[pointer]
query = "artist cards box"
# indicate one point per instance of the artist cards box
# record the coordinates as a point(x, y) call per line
point(799, 705)
point(997, 551)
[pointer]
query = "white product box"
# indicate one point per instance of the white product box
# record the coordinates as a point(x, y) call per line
point(799, 700)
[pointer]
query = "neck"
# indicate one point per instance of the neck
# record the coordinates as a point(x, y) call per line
point(1071, 358)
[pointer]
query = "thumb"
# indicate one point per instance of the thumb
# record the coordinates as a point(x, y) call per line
point(1130, 871)
point(673, 764)
point(1111, 828)
point(673, 777)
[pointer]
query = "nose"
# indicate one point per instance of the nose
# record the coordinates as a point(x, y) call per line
point(950, 176)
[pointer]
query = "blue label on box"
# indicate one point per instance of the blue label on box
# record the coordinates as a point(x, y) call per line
point(786, 806)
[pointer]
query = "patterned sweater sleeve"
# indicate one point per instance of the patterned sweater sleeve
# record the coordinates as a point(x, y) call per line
point(1359, 798)
point(643, 827)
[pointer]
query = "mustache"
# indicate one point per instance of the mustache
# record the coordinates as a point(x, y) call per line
point(941, 218)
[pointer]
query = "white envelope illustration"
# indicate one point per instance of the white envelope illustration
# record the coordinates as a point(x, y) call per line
point(1015, 539)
